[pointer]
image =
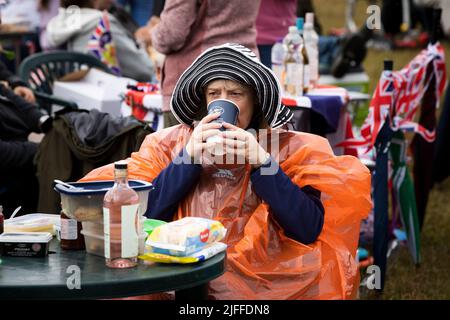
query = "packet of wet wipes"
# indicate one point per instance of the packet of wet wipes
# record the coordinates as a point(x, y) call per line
point(199, 256)
point(184, 237)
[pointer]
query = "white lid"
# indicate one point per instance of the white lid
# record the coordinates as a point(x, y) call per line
point(293, 29)
point(26, 237)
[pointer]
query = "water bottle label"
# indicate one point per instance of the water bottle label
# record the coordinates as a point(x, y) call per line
point(278, 70)
point(130, 238)
point(314, 71)
point(306, 76)
point(106, 232)
point(294, 80)
point(293, 74)
point(313, 55)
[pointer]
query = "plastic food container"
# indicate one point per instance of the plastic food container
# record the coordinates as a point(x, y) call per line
point(86, 202)
point(25, 244)
point(97, 227)
point(35, 222)
point(95, 244)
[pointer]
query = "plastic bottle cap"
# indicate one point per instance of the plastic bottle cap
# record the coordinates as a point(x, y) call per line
point(310, 18)
point(120, 165)
point(293, 29)
point(300, 23)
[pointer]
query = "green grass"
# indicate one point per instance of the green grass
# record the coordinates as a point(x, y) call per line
point(431, 280)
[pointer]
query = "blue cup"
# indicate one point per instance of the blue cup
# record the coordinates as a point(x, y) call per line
point(227, 109)
point(228, 112)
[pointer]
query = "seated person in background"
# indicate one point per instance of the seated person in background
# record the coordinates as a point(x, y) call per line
point(17, 85)
point(19, 16)
point(20, 13)
point(18, 183)
point(292, 209)
point(74, 29)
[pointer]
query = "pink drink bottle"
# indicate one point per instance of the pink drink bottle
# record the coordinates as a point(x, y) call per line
point(121, 221)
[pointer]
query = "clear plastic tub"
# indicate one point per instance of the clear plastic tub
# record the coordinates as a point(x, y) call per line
point(97, 227)
point(95, 244)
point(85, 202)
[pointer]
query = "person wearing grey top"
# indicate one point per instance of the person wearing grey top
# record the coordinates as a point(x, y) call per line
point(74, 28)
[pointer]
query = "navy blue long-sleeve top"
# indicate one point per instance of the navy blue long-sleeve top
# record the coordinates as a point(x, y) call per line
point(298, 211)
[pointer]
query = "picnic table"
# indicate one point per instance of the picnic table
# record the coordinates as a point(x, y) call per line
point(52, 277)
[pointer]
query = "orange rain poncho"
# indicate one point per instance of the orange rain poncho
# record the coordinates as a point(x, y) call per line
point(262, 263)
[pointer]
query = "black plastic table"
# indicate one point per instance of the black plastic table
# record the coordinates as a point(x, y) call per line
point(54, 277)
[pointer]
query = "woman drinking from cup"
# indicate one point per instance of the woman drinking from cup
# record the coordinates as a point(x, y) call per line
point(292, 209)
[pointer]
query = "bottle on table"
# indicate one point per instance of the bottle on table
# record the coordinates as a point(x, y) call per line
point(121, 221)
point(306, 78)
point(278, 54)
point(293, 65)
point(311, 39)
point(71, 237)
point(2, 220)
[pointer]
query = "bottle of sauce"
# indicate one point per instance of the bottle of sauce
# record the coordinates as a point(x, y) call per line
point(2, 220)
point(121, 221)
point(71, 237)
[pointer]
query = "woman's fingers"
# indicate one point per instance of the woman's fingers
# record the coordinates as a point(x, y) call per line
point(212, 125)
point(238, 134)
point(209, 118)
point(234, 143)
point(240, 152)
point(209, 133)
point(229, 126)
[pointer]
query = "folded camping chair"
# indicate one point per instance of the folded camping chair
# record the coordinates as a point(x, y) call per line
point(41, 70)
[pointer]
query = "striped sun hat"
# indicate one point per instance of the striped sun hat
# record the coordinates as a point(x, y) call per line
point(231, 62)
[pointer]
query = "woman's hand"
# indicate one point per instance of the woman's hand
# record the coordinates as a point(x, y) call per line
point(153, 22)
point(196, 144)
point(244, 144)
point(25, 93)
point(144, 35)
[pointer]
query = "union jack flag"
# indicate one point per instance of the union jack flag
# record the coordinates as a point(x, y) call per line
point(412, 82)
point(400, 94)
point(380, 106)
point(101, 44)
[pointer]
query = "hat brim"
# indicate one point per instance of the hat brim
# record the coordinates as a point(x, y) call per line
point(230, 62)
